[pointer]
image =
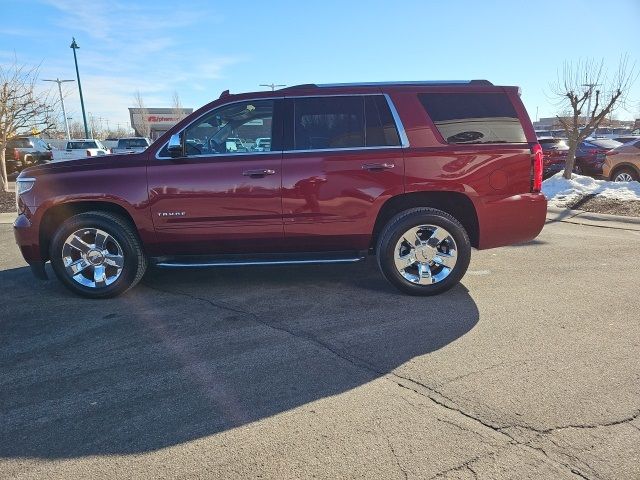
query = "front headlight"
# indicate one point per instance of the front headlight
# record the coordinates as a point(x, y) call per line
point(23, 185)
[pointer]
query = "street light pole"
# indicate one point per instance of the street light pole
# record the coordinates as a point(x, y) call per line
point(64, 113)
point(74, 46)
point(272, 86)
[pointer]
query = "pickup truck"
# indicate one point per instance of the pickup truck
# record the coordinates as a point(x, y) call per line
point(22, 152)
point(131, 145)
point(81, 148)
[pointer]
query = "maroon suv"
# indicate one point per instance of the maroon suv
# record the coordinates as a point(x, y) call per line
point(415, 173)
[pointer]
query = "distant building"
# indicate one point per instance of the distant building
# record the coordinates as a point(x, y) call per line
point(159, 119)
point(552, 123)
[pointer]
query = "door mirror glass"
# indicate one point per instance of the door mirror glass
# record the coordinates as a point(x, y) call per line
point(174, 147)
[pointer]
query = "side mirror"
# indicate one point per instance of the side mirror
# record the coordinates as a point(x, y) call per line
point(49, 146)
point(174, 147)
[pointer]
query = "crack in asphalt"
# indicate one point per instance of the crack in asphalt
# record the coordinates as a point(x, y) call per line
point(431, 393)
point(393, 452)
point(466, 465)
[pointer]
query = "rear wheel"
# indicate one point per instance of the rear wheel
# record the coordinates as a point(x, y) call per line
point(97, 255)
point(625, 175)
point(423, 251)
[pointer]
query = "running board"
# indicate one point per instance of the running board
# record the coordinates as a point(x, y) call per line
point(245, 261)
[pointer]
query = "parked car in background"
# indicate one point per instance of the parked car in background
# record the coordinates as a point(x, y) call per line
point(555, 155)
point(81, 148)
point(22, 152)
point(627, 138)
point(622, 164)
point(414, 173)
point(131, 145)
point(262, 144)
point(590, 155)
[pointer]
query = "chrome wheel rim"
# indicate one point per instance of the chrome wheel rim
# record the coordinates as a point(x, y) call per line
point(623, 177)
point(92, 258)
point(425, 254)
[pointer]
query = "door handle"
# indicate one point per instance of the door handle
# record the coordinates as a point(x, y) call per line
point(376, 167)
point(262, 172)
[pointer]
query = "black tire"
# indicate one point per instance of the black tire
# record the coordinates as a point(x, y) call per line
point(622, 170)
point(134, 264)
point(403, 222)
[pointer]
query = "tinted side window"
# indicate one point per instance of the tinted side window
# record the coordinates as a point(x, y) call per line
point(474, 117)
point(380, 128)
point(328, 122)
point(237, 128)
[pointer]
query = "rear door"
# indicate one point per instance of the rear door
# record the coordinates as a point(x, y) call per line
point(342, 161)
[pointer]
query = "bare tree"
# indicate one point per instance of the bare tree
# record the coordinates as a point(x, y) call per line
point(142, 126)
point(581, 85)
point(76, 129)
point(23, 109)
point(176, 106)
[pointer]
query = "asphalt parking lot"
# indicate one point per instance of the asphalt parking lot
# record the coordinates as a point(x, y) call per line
point(529, 369)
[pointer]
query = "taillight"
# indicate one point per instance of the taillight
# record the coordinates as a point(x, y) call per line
point(16, 155)
point(536, 167)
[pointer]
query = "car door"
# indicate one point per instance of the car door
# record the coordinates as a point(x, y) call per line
point(342, 160)
point(215, 197)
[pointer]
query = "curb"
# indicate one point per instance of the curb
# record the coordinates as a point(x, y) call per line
point(7, 218)
point(580, 217)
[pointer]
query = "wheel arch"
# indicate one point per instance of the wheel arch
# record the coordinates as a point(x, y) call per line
point(56, 214)
point(455, 204)
point(624, 165)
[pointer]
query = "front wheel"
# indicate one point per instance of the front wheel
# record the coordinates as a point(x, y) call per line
point(423, 251)
point(625, 175)
point(97, 255)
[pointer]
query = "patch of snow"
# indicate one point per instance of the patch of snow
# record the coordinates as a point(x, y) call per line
point(560, 192)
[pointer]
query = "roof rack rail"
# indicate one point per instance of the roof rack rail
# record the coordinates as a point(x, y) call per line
point(296, 87)
point(409, 83)
point(379, 84)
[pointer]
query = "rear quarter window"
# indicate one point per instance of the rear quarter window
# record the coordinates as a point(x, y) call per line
point(473, 118)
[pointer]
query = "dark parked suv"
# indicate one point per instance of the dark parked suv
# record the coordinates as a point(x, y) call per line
point(415, 173)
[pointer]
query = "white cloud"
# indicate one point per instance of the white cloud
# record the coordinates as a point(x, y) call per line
point(124, 48)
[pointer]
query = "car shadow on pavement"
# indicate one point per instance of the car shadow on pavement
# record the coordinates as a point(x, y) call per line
point(192, 353)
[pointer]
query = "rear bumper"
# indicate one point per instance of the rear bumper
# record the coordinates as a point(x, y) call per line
point(510, 220)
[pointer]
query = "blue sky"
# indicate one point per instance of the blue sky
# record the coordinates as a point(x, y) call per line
point(200, 48)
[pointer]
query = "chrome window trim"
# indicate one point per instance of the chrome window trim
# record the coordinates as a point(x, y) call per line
point(345, 149)
point(207, 113)
point(404, 140)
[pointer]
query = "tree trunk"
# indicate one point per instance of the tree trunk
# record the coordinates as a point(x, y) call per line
point(571, 160)
point(3, 166)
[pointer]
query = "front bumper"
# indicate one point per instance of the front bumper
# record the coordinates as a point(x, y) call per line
point(27, 238)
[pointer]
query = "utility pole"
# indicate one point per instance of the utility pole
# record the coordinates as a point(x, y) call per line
point(64, 113)
point(590, 85)
point(74, 46)
point(272, 86)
